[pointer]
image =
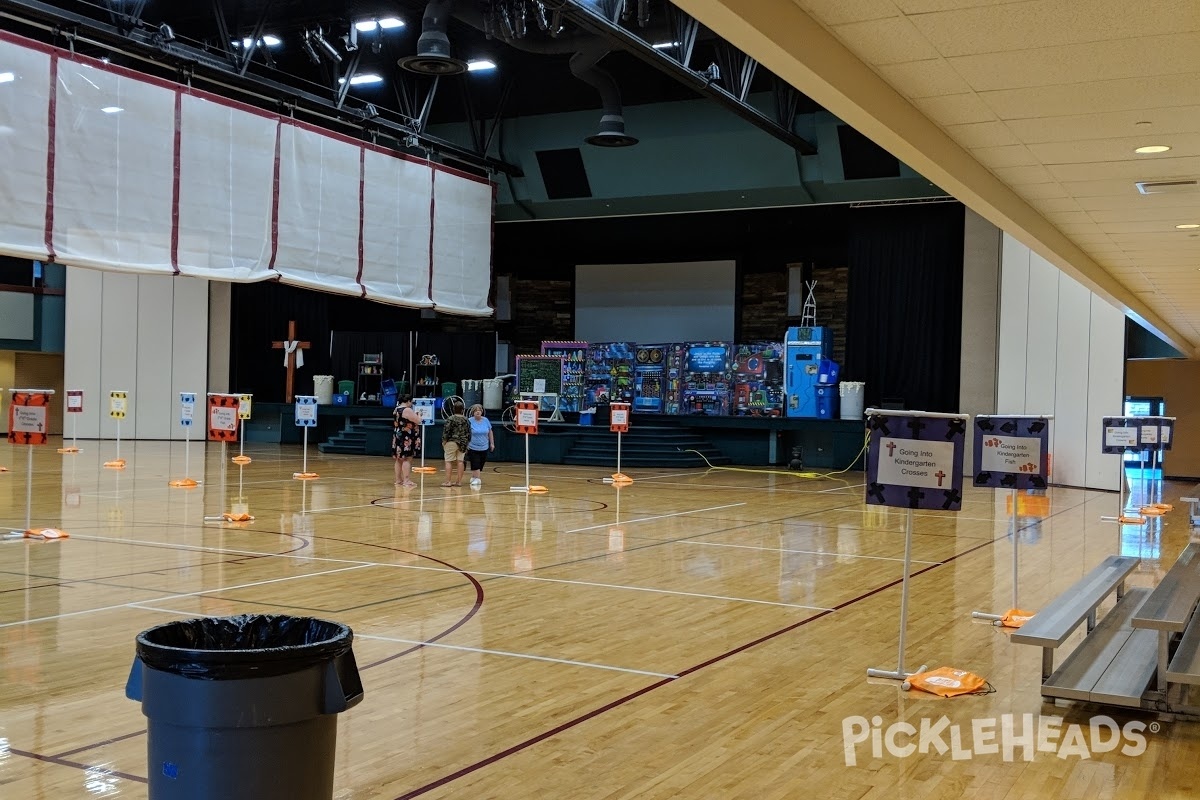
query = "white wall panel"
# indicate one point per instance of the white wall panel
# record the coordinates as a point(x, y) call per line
point(462, 244)
point(226, 176)
point(1069, 429)
point(153, 378)
point(82, 346)
point(189, 348)
point(396, 222)
point(113, 170)
point(1106, 383)
point(1014, 327)
point(318, 211)
point(118, 360)
point(24, 143)
point(1040, 349)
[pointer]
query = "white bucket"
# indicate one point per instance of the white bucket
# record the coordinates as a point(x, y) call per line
point(493, 394)
point(323, 389)
point(851, 394)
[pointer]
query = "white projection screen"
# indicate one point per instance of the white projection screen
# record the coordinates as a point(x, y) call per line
point(679, 302)
point(24, 146)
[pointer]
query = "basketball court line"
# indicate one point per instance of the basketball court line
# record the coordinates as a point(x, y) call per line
point(660, 516)
point(178, 596)
point(510, 654)
point(842, 488)
point(803, 552)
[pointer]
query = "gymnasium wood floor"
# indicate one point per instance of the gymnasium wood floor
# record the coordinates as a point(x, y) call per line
point(696, 635)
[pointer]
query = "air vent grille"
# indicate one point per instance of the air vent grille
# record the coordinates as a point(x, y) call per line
point(1185, 186)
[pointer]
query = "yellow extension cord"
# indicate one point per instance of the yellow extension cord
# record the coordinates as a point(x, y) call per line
point(811, 475)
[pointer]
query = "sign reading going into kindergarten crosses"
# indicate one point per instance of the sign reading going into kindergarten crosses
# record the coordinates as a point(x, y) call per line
point(424, 406)
point(526, 416)
point(1011, 452)
point(187, 408)
point(222, 417)
point(244, 404)
point(1148, 434)
point(306, 411)
point(118, 404)
point(915, 460)
point(618, 417)
point(75, 401)
point(1121, 434)
point(28, 416)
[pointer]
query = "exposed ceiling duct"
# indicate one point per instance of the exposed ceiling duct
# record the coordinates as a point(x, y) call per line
point(433, 56)
point(586, 52)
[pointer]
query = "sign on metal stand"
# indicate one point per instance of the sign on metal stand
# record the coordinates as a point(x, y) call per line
point(619, 424)
point(914, 460)
point(187, 413)
point(118, 406)
point(74, 408)
point(1011, 452)
point(306, 417)
point(526, 421)
point(1122, 435)
point(425, 407)
point(29, 425)
point(245, 402)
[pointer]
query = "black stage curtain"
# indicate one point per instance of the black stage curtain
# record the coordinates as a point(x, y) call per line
point(341, 329)
point(904, 313)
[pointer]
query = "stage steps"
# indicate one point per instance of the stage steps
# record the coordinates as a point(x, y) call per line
point(643, 446)
point(353, 440)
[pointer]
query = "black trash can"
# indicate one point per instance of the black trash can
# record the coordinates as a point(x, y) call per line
point(245, 707)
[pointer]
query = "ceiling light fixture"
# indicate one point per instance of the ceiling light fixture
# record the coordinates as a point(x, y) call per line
point(388, 23)
point(309, 50)
point(112, 109)
point(664, 45)
point(1188, 226)
point(1152, 148)
point(318, 36)
point(480, 65)
point(359, 80)
point(366, 25)
point(7, 77)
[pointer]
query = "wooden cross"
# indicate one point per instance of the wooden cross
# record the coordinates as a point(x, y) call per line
point(290, 356)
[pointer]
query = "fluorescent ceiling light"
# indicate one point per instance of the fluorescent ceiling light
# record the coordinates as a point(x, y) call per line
point(1188, 226)
point(1152, 148)
point(366, 25)
point(268, 40)
point(7, 77)
point(112, 109)
point(664, 45)
point(480, 65)
point(359, 80)
point(388, 23)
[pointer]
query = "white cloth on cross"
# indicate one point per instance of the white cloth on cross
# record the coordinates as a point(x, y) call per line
point(293, 347)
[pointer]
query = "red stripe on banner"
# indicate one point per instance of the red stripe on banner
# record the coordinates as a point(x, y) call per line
point(275, 197)
point(432, 207)
point(51, 124)
point(362, 204)
point(175, 185)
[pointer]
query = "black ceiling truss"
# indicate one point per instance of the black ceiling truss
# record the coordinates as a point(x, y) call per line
point(228, 70)
point(589, 18)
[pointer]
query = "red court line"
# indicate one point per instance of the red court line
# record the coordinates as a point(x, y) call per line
point(113, 740)
point(62, 762)
point(516, 748)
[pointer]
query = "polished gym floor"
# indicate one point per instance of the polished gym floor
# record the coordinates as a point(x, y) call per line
point(698, 634)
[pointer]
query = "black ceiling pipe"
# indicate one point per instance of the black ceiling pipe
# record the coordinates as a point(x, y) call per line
point(433, 56)
point(586, 50)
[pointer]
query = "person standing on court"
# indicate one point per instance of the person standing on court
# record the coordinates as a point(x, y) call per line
point(406, 438)
point(482, 443)
point(456, 434)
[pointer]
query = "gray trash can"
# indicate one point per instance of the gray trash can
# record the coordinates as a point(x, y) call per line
point(245, 707)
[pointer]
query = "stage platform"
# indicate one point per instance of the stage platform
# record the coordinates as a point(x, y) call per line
point(653, 441)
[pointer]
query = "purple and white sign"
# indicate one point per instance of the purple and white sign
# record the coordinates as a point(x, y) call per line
point(1121, 434)
point(1011, 452)
point(1166, 432)
point(915, 460)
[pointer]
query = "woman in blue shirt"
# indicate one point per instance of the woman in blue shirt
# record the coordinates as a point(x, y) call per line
point(482, 442)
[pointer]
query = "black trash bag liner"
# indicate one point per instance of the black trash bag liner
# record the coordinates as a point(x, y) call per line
point(244, 646)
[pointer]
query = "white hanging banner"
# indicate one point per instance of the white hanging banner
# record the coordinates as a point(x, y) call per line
point(24, 147)
point(396, 220)
point(462, 244)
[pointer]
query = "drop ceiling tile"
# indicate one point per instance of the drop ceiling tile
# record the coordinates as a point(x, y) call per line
point(1134, 201)
point(932, 78)
point(1130, 170)
point(885, 41)
point(1101, 188)
point(1016, 155)
point(1035, 191)
point(1170, 215)
point(931, 6)
point(1164, 227)
point(1119, 149)
point(1015, 176)
point(955, 109)
point(1069, 218)
point(1082, 63)
point(838, 12)
point(1094, 97)
point(1052, 204)
point(1052, 23)
point(1165, 123)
